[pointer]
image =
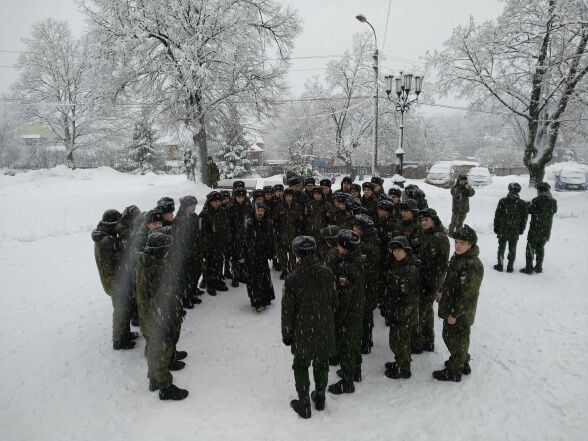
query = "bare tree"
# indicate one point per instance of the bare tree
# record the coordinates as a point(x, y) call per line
point(54, 86)
point(192, 58)
point(532, 62)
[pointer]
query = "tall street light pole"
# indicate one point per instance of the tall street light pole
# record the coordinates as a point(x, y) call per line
point(362, 19)
point(403, 103)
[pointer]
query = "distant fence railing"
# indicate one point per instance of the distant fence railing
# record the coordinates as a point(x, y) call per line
point(507, 171)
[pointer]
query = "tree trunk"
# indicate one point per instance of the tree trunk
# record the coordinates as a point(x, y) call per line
point(199, 139)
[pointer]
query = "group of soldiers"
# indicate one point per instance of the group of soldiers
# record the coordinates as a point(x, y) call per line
point(343, 254)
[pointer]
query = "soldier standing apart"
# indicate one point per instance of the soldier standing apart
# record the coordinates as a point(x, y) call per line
point(108, 251)
point(213, 173)
point(400, 305)
point(461, 193)
point(433, 252)
point(541, 209)
point(457, 306)
point(309, 303)
point(510, 221)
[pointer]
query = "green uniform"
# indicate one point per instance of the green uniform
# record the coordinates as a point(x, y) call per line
point(369, 249)
point(400, 306)
point(459, 299)
point(108, 251)
point(213, 175)
point(510, 221)
point(461, 206)
point(308, 321)
point(317, 217)
point(342, 218)
point(371, 205)
point(289, 220)
point(541, 209)
point(351, 283)
point(215, 238)
point(186, 232)
point(433, 252)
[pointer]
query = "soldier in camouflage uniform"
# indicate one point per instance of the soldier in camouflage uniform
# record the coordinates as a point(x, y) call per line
point(351, 283)
point(215, 235)
point(288, 226)
point(317, 213)
point(328, 243)
point(308, 193)
point(346, 183)
point(309, 303)
point(129, 224)
point(165, 317)
point(510, 221)
point(457, 306)
point(400, 305)
point(167, 207)
point(408, 225)
point(461, 193)
point(239, 212)
point(369, 249)
point(379, 192)
point(325, 185)
point(341, 215)
point(369, 201)
point(542, 209)
point(108, 250)
point(433, 253)
point(355, 191)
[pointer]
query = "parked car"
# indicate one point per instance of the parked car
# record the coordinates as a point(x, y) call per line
point(479, 176)
point(442, 174)
point(571, 178)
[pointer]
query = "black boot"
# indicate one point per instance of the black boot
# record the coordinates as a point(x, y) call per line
point(172, 393)
point(389, 365)
point(135, 321)
point(509, 268)
point(123, 344)
point(219, 285)
point(527, 270)
point(180, 355)
point(342, 387)
point(203, 283)
point(301, 406)
point(445, 375)
point(416, 349)
point(498, 267)
point(356, 376)
point(211, 291)
point(397, 373)
point(188, 303)
point(334, 361)
point(196, 300)
point(228, 274)
point(199, 292)
point(132, 335)
point(176, 365)
point(366, 348)
point(235, 283)
point(538, 268)
point(318, 399)
point(428, 346)
point(153, 386)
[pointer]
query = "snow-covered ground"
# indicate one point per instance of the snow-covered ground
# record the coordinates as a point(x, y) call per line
point(61, 380)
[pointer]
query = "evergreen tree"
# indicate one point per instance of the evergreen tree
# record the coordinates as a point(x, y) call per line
point(233, 161)
point(143, 152)
point(300, 162)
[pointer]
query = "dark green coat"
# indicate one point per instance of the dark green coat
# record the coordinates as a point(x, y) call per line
point(108, 253)
point(433, 252)
point(408, 229)
point(213, 175)
point(461, 198)
point(510, 218)
point(289, 219)
point(462, 287)
point(149, 272)
point(342, 218)
point(400, 302)
point(369, 249)
point(371, 205)
point(238, 215)
point(351, 283)
point(541, 209)
point(317, 217)
point(308, 310)
point(214, 229)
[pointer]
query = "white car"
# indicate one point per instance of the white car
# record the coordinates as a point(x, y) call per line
point(441, 174)
point(571, 178)
point(479, 176)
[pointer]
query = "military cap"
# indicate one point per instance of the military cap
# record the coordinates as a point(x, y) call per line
point(214, 196)
point(186, 201)
point(303, 246)
point(325, 183)
point(467, 234)
point(111, 217)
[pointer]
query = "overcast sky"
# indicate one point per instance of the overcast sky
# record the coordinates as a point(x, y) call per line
point(414, 27)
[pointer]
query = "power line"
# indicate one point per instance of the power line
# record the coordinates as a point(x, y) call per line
point(386, 29)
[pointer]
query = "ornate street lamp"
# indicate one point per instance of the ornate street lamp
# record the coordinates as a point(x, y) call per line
point(403, 103)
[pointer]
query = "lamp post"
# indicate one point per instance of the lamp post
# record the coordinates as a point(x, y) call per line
point(403, 103)
point(363, 19)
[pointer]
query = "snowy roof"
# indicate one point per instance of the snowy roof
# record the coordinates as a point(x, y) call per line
point(30, 136)
point(256, 148)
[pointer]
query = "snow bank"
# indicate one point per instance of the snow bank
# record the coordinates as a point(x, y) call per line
point(61, 380)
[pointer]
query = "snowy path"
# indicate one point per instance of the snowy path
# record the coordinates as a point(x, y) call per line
point(61, 380)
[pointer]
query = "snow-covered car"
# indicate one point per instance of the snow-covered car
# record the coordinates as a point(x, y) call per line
point(441, 174)
point(478, 176)
point(571, 178)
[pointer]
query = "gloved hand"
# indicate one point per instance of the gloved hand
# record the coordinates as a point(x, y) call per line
point(287, 341)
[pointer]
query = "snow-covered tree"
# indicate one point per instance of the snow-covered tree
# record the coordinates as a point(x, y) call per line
point(191, 58)
point(300, 162)
point(54, 86)
point(233, 162)
point(143, 151)
point(531, 61)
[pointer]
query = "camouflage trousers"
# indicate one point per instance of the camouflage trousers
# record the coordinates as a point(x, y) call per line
point(535, 250)
point(400, 343)
point(512, 249)
point(160, 353)
point(457, 220)
point(457, 340)
point(122, 310)
point(320, 370)
point(286, 257)
point(349, 347)
point(423, 330)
